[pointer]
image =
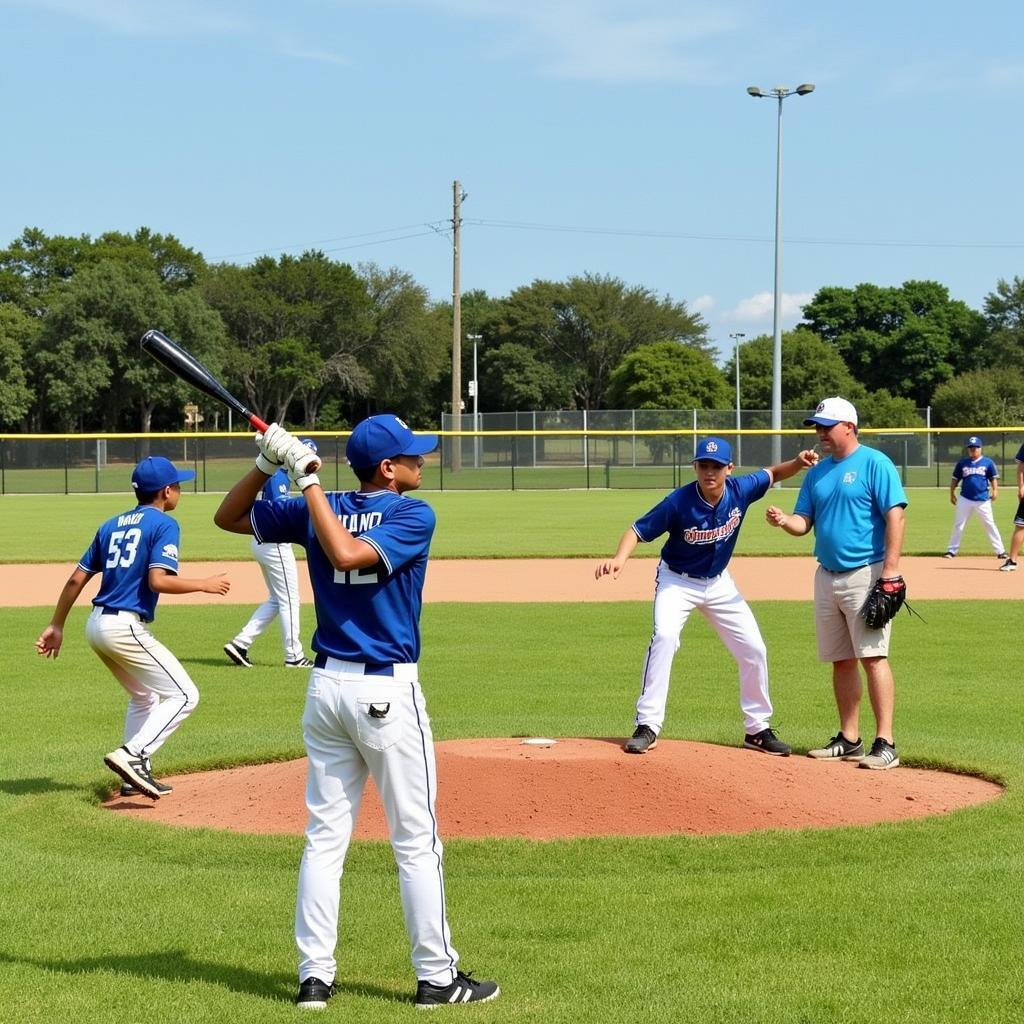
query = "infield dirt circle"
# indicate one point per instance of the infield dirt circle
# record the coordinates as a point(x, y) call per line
point(589, 786)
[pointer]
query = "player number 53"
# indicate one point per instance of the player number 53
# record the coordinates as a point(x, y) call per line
point(130, 539)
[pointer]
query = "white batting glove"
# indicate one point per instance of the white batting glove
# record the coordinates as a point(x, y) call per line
point(301, 457)
point(266, 462)
point(302, 479)
point(276, 441)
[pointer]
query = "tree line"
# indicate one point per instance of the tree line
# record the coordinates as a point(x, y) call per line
point(311, 341)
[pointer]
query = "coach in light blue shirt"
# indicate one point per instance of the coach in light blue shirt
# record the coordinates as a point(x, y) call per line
point(854, 502)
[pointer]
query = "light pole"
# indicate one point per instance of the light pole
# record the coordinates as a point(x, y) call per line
point(475, 392)
point(739, 441)
point(780, 92)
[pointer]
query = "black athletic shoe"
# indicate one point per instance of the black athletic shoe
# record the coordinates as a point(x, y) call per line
point(1002, 554)
point(1008, 566)
point(464, 989)
point(313, 994)
point(299, 663)
point(883, 756)
point(644, 739)
point(129, 790)
point(767, 742)
point(132, 770)
point(239, 655)
point(839, 747)
point(949, 554)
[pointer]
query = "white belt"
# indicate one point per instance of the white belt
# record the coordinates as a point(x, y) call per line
point(401, 672)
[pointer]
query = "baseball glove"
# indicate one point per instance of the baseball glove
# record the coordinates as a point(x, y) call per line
point(884, 600)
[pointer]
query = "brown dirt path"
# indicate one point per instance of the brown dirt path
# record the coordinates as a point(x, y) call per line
point(554, 579)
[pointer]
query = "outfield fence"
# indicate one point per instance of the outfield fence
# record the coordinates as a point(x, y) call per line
point(483, 460)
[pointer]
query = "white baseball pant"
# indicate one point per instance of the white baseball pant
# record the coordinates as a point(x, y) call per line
point(277, 562)
point(160, 693)
point(965, 508)
point(355, 725)
point(675, 596)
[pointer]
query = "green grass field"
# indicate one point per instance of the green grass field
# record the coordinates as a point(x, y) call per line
point(471, 524)
point(109, 920)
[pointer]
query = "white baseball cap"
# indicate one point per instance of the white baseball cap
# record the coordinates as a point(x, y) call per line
point(831, 411)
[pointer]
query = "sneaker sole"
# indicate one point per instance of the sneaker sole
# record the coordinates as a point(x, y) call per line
point(322, 1005)
point(471, 1002)
point(236, 656)
point(628, 750)
point(835, 757)
point(765, 750)
point(127, 775)
point(894, 763)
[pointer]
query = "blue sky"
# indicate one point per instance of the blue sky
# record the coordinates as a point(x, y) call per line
point(590, 135)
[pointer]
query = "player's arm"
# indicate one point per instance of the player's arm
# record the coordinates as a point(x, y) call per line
point(343, 551)
point(952, 488)
point(614, 565)
point(993, 485)
point(233, 513)
point(895, 523)
point(163, 582)
point(48, 644)
point(784, 470)
point(794, 524)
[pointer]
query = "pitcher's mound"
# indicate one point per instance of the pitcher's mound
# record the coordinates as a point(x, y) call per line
point(586, 787)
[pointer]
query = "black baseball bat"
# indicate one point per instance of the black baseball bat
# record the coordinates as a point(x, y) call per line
point(186, 367)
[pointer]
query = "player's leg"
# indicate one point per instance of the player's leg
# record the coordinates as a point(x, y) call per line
point(962, 513)
point(141, 701)
point(394, 735)
point(848, 689)
point(335, 779)
point(882, 694)
point(285, 588)
point(984, 511)
point(674, 598)
point(266, 557)
point(734, 622)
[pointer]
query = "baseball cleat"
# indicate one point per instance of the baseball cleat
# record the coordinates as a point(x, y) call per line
point(767, 742)
point(642, 740)
point(839, 747)
point(464, 989)
point(1008, 566)
point(127, 789)
point(949, 554)
point(239, 655)
point(1003, 554)
point(299, 663)
point(313, 994)
point(132, 770)
point(883, 755)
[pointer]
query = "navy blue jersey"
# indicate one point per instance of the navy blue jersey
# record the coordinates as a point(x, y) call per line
point(369, 615)
point(276, 487)
point(124, 549)
point(974, 475)
point(701, 537)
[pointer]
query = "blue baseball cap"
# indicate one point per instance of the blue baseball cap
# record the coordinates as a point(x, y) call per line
point(713, 449)
point(384, 437)
point(973, 441)
point(156, 472)
point(309, 443)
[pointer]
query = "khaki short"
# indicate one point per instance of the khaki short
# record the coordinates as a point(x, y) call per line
point(842, 631)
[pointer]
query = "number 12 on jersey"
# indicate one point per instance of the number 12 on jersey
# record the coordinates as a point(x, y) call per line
point(356, 576)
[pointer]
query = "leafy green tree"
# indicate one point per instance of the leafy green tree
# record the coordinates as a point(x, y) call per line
point(585, 327)
point(1004, 318)
point(512, 378)
point(667, 375)
point(16, 332)
point(811, 369)
point(908, 340)
point(982, 398)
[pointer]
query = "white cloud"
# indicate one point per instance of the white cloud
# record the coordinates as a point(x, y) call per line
point(760, 308)
point(702, 304)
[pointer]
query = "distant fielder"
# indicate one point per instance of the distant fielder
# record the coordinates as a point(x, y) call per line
point(137, 553)
point(703, 521)
point(277, 561)
point(978, 480)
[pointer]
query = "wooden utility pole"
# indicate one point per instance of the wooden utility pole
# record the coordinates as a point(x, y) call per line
point(457, 197)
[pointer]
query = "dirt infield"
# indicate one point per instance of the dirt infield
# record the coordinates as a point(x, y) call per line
point(553, 579)
point(586, 787)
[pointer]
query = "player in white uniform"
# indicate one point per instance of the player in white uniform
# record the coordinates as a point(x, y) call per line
point(277, 562)
point(137, 553)
point(702, 521)
point(978, 480)
point(365, 713)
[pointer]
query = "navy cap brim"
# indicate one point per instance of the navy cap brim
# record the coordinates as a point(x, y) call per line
point(421, 444)
point(712, 458)
point(184, 475)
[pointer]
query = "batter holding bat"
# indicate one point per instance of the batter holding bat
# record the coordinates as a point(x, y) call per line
point(137, 553)
point(365, 713)
point(703, 520)
point(854, 502)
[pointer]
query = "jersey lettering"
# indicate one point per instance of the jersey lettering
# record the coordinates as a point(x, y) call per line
point(359, 522)
point(130, 518)
point(693, 535)
point(115, 556)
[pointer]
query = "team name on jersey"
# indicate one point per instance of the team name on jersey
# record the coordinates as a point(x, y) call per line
point(359, 522)
point(693, 535)
point(973, 471)
point(130, 519)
